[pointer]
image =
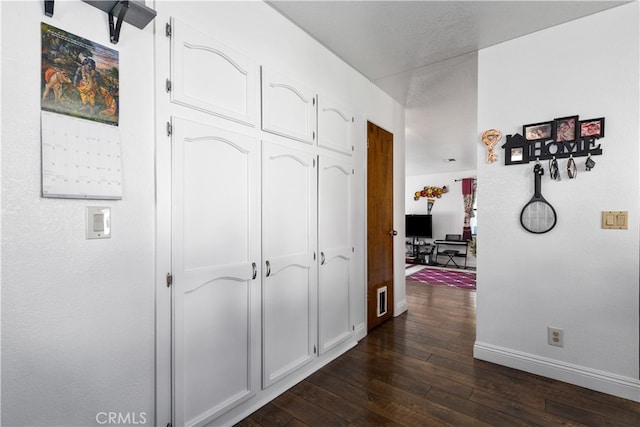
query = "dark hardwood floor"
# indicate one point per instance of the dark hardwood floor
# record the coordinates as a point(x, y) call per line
point(418, 370)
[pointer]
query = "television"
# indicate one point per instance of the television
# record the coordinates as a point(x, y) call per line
point(418, 225)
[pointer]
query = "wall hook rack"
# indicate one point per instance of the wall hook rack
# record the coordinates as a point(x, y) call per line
point(562, 138)
point(132, 11)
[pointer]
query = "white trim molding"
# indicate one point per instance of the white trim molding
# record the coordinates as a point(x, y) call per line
point(400, 307)
point(605, 382)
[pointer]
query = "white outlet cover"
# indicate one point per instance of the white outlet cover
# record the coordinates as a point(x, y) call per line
point(98, 222)
point(555, 336)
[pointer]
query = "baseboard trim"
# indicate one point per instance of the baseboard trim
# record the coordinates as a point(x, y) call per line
point(401, 307)
point(360, 331)
point(605, 382)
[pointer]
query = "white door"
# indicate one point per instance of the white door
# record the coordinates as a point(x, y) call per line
point(335, 125)
point(289, 203)
point(336, 251)
point(288, 107)
point(216, 285)
point(211, 77)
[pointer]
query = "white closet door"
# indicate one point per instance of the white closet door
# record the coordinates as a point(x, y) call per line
point(216, 288)
point(289, 194)
point(335, 125)
point(336, 251)
point(288, 107)
point(211, 77)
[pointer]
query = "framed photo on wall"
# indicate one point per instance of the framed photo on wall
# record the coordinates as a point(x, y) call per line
point(566, 129)
point(516, 150)
point(592, 128)
point(538, 131)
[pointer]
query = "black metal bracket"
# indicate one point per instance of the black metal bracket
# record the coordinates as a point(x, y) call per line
point(48, 7)
point(114, 27)
point(132, 11)
point(139, 16)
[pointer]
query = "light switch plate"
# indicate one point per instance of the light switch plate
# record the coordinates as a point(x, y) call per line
point(615, 220)
point(98, 222)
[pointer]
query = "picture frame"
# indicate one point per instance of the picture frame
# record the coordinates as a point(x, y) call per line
point(517, 154)
point(566, 129)
point(516, 150)
point(538, 131)
point(592, 128)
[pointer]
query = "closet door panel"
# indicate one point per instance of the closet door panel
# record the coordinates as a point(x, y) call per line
point(289, 192)
point(336, 251)
point(216, 290)
point(335, 126)
point(288, 107)
point(211, 77)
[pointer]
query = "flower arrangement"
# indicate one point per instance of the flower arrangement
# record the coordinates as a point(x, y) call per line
point(430, 192)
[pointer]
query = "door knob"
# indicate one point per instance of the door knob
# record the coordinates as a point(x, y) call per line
point(393, 233)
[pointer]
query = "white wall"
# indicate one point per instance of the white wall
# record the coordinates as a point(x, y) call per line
point(77, 314)
point(577, 277)
point(448, 211)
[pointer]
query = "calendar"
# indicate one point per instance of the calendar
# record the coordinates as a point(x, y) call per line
point(79, 118)
point(81, 159)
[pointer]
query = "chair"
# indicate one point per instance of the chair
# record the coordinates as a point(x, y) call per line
point(451, 253)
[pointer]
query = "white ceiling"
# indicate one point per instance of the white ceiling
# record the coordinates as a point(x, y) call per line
point(424, 55)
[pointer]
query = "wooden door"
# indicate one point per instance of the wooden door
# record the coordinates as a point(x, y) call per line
point(216, 285)
point(380, 232)
point(289, 218)
point(336, 251)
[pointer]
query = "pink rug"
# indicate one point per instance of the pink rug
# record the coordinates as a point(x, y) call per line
point(458, 279)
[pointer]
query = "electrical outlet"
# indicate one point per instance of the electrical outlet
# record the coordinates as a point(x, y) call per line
point(555, 336)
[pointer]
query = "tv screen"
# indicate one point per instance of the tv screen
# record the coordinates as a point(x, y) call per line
point(418, 225)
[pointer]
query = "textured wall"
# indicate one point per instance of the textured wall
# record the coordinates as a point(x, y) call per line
point(577, 277)
point(77, 314)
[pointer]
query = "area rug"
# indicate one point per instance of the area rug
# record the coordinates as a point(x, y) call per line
point(434, 276)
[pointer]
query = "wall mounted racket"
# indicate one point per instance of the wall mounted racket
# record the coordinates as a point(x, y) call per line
point(538, 216)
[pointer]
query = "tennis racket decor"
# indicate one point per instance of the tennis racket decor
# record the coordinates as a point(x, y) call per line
point(538, 216)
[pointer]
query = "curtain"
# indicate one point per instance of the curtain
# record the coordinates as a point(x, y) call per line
point(468, 194)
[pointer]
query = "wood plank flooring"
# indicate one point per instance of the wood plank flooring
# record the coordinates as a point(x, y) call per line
point(418, 370)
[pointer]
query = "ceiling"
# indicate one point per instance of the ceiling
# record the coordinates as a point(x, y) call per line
point(424, 55)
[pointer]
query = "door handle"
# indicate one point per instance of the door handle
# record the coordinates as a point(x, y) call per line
point(255, 270)
point(268, 269)
point(322, 258)
point(393, 233)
